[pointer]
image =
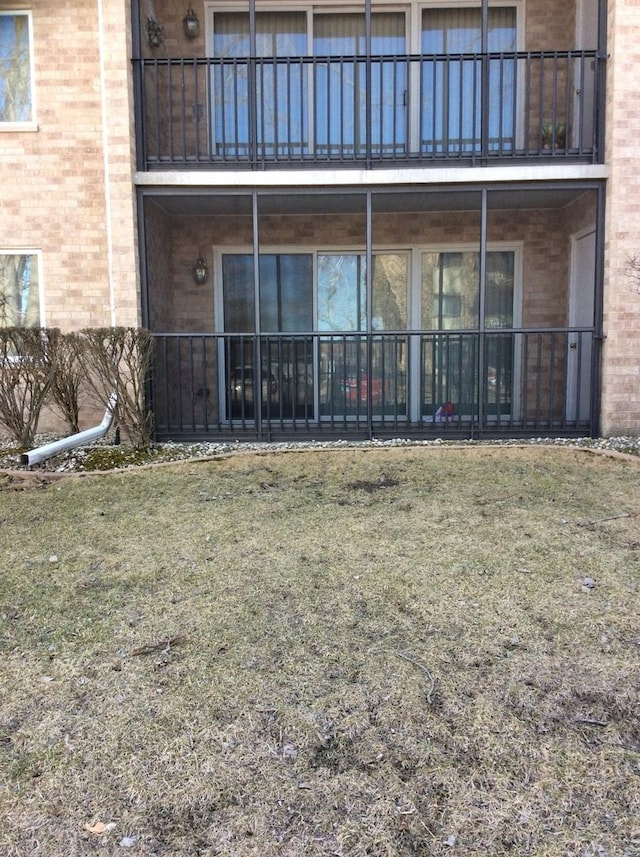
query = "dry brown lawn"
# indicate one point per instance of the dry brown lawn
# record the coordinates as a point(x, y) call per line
point(409, 651)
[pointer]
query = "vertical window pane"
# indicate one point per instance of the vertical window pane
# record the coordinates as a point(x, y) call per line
point(342, 303)
point(450, 291)
point(15, 68)
point(286, 292)
point(452, 88)
point(390, 280)
point(238, 293)
point(341, 84)
point(280, 88)
point(19, 290)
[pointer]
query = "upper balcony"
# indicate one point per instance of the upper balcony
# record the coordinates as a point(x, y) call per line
point(312, 87)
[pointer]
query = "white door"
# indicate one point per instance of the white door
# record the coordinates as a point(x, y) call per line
point(581, 314)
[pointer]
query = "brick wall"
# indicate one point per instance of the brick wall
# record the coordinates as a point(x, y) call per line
point(63, 191)
point(550, 25)
point(544, 234)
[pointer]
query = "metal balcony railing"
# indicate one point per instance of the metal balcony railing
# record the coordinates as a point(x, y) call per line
point(419, 383)
point(252, 113)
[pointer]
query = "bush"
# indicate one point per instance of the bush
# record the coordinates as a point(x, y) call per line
point(118, 360)
point(67, 376)
point(25, 380)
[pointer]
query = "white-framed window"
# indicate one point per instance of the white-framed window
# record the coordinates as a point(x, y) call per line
point(17, 99)
point(21, 297)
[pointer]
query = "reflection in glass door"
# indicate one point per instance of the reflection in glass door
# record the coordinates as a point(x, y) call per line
point(276, 370)
point(358, 373)
point(451, 361)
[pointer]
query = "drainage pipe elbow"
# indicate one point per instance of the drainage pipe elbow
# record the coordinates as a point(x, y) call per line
point(35, 456)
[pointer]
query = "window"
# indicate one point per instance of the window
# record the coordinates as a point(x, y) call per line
point(16, 70)
point(19, 289)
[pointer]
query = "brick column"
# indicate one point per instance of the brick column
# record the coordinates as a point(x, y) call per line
point(621, 354)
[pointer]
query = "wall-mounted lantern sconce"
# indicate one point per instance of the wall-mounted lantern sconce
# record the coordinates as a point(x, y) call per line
point(200, 272)
point(191, 24)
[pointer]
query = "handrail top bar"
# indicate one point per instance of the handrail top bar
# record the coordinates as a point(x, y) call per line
point(374, 334)
point(310, 59)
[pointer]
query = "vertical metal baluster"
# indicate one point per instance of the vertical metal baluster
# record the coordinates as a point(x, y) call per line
point(156, 68)
point(579, 377)
point(524, 403)
point(527, 104)
point(541, 117)
point(196, 107)
point(554, 107)
point(183, 110)
point(171, 117)
point(551, 380)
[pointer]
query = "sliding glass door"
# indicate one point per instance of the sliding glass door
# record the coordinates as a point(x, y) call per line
point(304, 359)
point(327, 349)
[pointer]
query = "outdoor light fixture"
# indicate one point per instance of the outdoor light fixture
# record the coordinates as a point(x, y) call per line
point(191, 24)
point(200, 272)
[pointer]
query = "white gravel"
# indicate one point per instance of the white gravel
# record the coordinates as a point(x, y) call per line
point(74, 460)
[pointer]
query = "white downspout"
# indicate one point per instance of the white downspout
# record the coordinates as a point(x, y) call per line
point(35, 456)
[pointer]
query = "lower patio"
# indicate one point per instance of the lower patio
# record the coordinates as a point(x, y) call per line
point(423, 313)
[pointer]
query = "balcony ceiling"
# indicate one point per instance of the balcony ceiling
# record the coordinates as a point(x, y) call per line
point(354, 202)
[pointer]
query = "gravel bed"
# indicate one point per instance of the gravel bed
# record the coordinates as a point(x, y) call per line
point(104, 455)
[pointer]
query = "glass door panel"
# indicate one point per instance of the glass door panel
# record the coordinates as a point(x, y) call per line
point(451, 361)
point(280, 117)
point(275, 369)
point(341, 84)
point(286, 306)
point(342, 307)
point(499, 359)
point(357, 371)
point(452, 84)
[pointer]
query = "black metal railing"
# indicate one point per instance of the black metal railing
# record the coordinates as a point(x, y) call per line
point(422, 383)
point(252, 113)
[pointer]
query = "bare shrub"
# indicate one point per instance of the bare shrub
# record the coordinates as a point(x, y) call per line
point(66, 377)
point(25, 380)
point(118, 360)
point(633, 272)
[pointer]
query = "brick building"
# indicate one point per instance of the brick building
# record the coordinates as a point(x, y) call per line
point(367, 219)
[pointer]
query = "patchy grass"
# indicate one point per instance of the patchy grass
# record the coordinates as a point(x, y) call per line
point(378, 652)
